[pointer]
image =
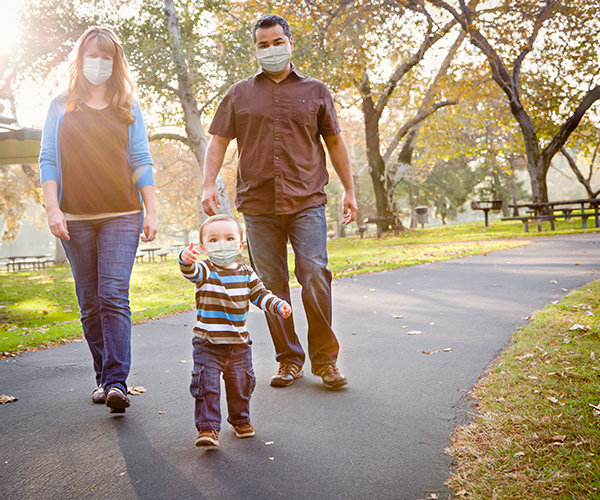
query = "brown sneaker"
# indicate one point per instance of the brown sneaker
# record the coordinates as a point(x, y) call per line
point(332, 377)
point(287, 373)
point(208, 437)
point(117, 400)
point(244, 431)
point(98, 396)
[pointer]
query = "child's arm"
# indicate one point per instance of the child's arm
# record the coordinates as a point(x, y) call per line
point(188, 264)
point(263, 298)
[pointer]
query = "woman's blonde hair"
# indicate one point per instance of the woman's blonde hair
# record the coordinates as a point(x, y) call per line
point(120, 86)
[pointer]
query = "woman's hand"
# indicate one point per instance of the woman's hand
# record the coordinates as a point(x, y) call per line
point(150, 227)
point(57, 223)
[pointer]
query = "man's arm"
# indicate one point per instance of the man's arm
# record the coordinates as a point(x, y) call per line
point(215, 154)
point(340, 159)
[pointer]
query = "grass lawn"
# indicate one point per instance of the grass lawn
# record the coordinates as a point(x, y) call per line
point(537, 433)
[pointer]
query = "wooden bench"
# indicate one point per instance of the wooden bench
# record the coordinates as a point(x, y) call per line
point(383, 223)
point(163, 255)
point(538, 219)
point(139, 257)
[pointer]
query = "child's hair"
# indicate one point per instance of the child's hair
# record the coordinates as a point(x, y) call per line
point(218, 217)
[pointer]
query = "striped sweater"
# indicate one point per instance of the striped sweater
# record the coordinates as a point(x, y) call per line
point(222, 300)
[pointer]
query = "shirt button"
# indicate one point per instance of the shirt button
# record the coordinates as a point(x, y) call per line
point(276, 138)
point(276, 100)
point(277, 157)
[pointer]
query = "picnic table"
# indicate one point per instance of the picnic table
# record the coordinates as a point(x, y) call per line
point(552, 210)
point(151, 252)
point(18, 262)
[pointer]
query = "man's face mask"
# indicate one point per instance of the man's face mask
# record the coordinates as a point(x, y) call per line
point(275, 58)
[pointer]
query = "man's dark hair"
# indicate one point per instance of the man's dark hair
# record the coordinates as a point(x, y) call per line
point(270, 20)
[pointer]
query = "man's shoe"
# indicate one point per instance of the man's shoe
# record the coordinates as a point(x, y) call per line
point(98, 396)
point(287, 373)
point(208, 437)
point(244, 431)
point(117, 400)
point(332, 377)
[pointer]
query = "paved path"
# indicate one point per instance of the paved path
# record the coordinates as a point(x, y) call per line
point(381, 438)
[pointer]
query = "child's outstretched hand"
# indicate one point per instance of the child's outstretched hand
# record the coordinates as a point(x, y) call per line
point(189, 254)
point(285, 310)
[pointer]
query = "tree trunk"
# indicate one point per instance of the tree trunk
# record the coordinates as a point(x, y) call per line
point(191, 115)
point(60, 257)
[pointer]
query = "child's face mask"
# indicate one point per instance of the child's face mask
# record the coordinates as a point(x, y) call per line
point(223, 253)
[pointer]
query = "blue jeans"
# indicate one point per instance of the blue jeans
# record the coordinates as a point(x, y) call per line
point(101, 253)
point(234, 361)
point(267, 244)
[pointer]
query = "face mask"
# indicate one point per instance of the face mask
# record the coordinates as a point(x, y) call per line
point(275, 58)
point(223, 253)
point(97, 70)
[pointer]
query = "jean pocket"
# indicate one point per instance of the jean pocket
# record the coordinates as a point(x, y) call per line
point(251, 382)
point(196, 387)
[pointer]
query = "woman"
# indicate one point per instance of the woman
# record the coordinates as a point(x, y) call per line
point(96, 170)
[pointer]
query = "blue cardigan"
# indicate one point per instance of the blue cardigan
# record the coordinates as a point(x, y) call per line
point(138, 153)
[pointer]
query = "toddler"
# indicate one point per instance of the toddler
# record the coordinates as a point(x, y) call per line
point(221, 341)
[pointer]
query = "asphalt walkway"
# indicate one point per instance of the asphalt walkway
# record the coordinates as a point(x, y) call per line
point(383, 437)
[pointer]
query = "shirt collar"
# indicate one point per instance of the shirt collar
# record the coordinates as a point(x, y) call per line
point(294, 71)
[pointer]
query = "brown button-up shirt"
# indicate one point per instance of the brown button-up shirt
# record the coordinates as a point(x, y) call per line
point(278, 128)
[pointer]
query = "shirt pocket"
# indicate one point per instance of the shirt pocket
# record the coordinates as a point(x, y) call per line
point(304, 111)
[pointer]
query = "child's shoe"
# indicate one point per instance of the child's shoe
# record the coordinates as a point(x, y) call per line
point(244, 431)
point(208, 437)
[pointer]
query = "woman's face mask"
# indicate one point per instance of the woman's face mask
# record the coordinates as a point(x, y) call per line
point(275, 58)
point(97, 70)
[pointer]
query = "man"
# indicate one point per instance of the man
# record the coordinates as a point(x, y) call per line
point(278, 117)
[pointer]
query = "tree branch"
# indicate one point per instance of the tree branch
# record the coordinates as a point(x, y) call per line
point(571, 124)
point(169, 137)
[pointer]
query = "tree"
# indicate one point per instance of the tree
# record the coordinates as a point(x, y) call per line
point(574, 25)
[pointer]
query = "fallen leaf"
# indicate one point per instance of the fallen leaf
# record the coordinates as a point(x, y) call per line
point(552, 399)
point(553, 281)
point(136, 391)
point(268, 443)
point(448, 349)
point(431, 352)
point(161, 412)
point(271, 458)
point(560, 438)
point(414, 332)
point(520, 454)
point(7, 399)
point(580, 327)
point(397, 316)
point(183, 360)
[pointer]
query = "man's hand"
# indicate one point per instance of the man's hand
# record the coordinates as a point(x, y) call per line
point(210, 200)
point(189, 254)
point(150, 227)
point(350, 208)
